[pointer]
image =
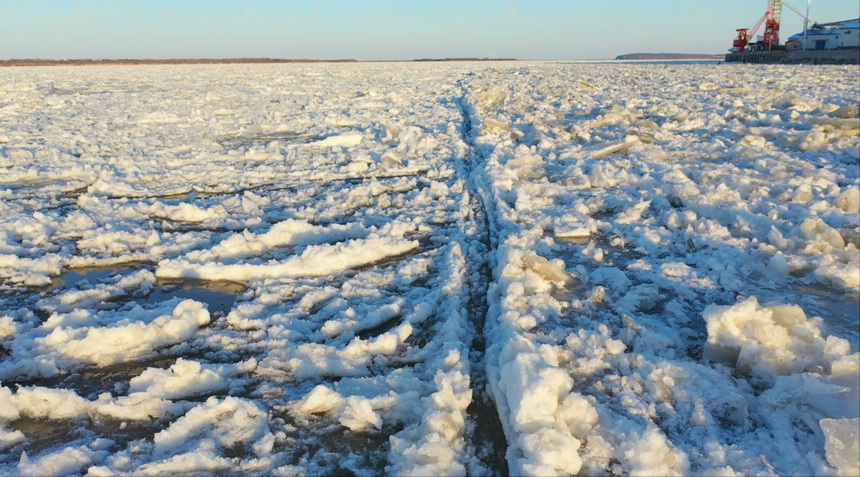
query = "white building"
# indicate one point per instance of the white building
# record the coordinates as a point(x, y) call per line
point(822, 40)
point(831, 36)
point(849, 35)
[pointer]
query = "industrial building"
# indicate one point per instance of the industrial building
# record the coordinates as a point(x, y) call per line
point(830, 36)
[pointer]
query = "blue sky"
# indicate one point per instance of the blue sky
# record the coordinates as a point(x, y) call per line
point(383, 29)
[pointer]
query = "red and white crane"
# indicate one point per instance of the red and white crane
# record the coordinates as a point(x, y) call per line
point(770, 20)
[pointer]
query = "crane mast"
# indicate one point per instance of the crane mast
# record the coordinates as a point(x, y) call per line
point(771, 27)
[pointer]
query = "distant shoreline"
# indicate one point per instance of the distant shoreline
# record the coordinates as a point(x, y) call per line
point(215, 61)
point(221, 61)
point(669, 56)
point(188, 61)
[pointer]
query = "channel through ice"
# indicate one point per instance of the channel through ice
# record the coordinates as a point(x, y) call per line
point(430, 269)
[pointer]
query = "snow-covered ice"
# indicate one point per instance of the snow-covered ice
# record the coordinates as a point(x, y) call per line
point(430, 269)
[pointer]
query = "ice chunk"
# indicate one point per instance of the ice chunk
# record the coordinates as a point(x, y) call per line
point(533, 391)
point(358, 414)
point(842, 444)
point(66, 461)
point(343, 140)
point(847, 364)
point(842, 275)
point(228, 423)
point(495, 96)
point(766, 341)
point(137, 406)
point(792, 101)
point(315, 261)
point(10, 438)
point(491, 126)
point(575, 233)
point(358, 167)
point(778, 265)
point(391, 159)
point(579, 415)
point(634, 214)
point(641, 298)
point(41, 402)
point(8, 410)
point(849, 200)
point(432, 455)
point(554, 449)
point(623, 146)
point(31, 271)
point(815, 396)
point(841, 123)
point(110, 345)
point(846, 112)
point(612, 277)
point(287, 232)
point(606, 175)
point(321, 399)
point(803, 194)
point(653, 454)
point(615, 115)
point(184, 378)
point(527, 166)
point(551, 271)
point(816, 230)
point(310, 359)
point(8, 328)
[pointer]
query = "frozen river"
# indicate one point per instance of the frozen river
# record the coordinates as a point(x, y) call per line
point(432, 268)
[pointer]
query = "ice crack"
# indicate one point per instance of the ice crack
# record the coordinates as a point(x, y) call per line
point(486, 434)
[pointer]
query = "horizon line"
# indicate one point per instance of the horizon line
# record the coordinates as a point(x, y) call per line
point(261, 60)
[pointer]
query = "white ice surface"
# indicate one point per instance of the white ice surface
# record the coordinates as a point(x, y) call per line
point(430, 269)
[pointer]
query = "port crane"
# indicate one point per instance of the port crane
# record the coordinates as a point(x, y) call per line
point(771, 20)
